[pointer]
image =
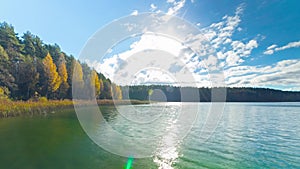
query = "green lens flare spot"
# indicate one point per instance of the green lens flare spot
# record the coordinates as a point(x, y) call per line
point(129, 163)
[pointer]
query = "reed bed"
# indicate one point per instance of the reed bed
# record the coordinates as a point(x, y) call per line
point(29, 108)
point(17, 108)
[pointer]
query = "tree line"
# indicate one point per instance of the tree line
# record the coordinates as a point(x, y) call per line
point(234, 94)
point(29, 69)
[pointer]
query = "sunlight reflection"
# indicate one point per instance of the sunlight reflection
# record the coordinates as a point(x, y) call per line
point(167, 152)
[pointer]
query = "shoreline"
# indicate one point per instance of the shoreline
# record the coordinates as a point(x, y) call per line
point(29, 108)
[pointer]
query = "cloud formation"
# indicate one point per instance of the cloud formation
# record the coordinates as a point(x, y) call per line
point(273, 48)
point(176, 6)
point(284, 73)
point(153, 7)
point(227, 53)
point(230, 52)
point(134, 13)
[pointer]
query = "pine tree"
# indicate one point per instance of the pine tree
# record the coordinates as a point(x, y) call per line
point(28, 78)
point(8, 38)
point(28, 41)
point(6, 78)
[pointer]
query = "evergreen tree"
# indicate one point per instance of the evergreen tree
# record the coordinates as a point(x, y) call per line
point(28, 78)
point(40, 50)
point(54, 51)
point(101, 85)
point(28, 41)
point(6, 78)
point(106, 93)
point(8, 38)
point(70, 64)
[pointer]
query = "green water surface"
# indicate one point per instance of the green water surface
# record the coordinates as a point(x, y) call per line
point(249, 135)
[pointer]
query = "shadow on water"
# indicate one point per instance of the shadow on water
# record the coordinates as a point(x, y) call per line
point(55, 141)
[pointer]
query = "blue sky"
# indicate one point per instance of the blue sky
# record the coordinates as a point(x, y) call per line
point(262, 48)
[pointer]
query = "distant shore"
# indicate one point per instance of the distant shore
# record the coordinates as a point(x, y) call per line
point(121, 102)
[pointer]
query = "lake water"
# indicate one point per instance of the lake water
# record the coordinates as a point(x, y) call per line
point(249, 135)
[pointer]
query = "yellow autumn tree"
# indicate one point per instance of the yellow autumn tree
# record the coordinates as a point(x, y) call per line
point(53, 78)
point(116, 92)
point(63, 73)
point(95, 83)
point(77, 81)
point(78, 75)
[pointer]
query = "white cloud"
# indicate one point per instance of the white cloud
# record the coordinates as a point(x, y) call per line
point(221, 55)
point(153, 76)
point(153, 7)
point(220, 35)
point(273, 48)
point(151, 41)
point(294, 88)
point(252, 44)
point(147, 41)
point(108, 66)
point(228, 40)
point(228, 54)
point(289, 45)
point(134, 13)
point(238, 51)
point(233, 59)
point(285, 73)
point(176, 6)
point(269, 52)
point(211, 61)
point(170, 1)
point(224, 29)
point(158, 11)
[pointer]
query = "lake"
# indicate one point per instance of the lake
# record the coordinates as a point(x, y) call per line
point(249, 135)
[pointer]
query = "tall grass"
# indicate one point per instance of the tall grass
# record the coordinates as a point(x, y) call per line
point(16, 108)
point(43, 106)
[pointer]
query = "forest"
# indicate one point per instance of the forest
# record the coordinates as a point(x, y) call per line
point(31, 69)
point(230, 94)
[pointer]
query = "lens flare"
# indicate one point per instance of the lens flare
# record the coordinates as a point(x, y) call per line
point(129, 163)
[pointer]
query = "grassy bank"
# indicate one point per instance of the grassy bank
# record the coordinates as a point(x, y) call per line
point(17, 108)
point(30, 108)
